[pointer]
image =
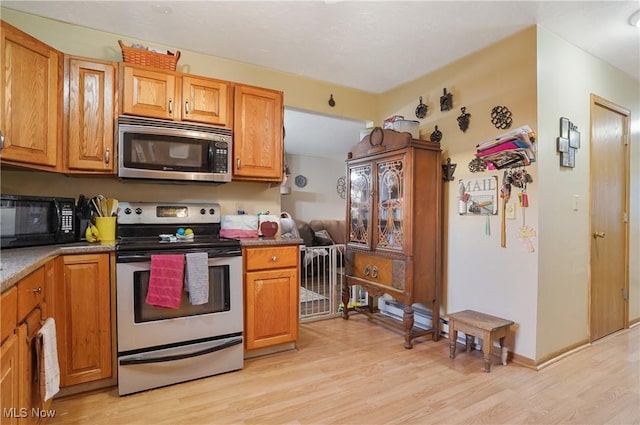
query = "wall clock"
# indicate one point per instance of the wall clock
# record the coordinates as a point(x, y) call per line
point(300, 180)
point(341, 187)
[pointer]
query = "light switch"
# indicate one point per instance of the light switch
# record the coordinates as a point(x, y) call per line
point(575, 202)
point(510, 210)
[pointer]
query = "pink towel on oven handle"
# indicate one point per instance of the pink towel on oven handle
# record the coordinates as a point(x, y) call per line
point(165, 280)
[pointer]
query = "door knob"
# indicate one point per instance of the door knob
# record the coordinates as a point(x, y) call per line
point(598, 235)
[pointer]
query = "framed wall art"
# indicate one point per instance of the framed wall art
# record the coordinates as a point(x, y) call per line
point(568, 143)
point(478, 196)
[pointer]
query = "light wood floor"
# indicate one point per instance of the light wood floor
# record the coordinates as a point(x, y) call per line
point(357, 372)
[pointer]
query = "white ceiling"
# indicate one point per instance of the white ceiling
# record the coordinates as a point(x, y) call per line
point(344, 42)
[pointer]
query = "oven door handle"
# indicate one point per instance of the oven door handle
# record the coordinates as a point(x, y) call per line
point(133, 258)
point(174, 357)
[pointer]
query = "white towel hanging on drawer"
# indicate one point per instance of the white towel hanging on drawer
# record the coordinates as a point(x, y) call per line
point(49, 373)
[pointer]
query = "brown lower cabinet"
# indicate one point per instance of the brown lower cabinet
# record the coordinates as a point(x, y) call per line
point(23, 307)
point(83, 318)
point(271, 295)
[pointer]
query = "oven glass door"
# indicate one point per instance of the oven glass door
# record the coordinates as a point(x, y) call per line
point(219, 297)
point(141, 326)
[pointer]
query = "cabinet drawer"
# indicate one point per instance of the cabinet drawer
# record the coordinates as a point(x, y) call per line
point(8, 311)
point(30, 292)
point(272, 257)
point(376, 269)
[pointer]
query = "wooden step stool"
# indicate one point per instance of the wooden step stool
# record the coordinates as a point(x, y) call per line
point(486, 327)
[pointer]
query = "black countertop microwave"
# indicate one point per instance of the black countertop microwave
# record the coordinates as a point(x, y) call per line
point(168, 150)
point(36, 220)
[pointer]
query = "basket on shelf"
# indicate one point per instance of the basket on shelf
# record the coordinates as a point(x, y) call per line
point(137, 56)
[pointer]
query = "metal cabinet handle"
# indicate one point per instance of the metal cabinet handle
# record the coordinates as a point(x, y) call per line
point(38, 290)
point(274, 258)
point(374, 272)
point(186, 107)
point(598, 235)
point(107, 155)
point(1, 141)
point(170, 106)
point(367, 270)
point(237, 163)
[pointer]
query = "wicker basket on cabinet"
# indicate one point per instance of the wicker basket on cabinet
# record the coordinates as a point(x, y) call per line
point(137, 56)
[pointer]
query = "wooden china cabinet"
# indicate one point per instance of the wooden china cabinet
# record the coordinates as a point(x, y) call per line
point(394, 226)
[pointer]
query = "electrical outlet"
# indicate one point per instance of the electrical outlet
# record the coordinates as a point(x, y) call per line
point(510, 211)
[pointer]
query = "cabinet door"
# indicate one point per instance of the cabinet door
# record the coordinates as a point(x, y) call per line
point(360, 204)
point(205, 100)
point(391, 198)
point(271, 308)
point(149, 93)
point(28, 389)
point(29, 122)
point(90, 110)
point(83, 319)
point(9, 381)
point(257, 134)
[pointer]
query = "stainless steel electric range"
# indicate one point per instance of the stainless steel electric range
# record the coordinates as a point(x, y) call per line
point(159, 346)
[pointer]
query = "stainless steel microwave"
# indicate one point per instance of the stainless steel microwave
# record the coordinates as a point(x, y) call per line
point(168, 150)
point(36, 220)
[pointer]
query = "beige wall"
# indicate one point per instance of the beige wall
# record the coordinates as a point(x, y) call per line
point(540, 78)
point(318, 199)
point(567, 76)
point(299, 92)
point(479, 274)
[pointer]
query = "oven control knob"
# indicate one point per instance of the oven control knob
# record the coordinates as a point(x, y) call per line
point(203, 211)
point(212, 211)
point(138, 211)
point(127, 210)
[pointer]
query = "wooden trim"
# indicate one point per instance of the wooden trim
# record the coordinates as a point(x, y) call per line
point(560, 354)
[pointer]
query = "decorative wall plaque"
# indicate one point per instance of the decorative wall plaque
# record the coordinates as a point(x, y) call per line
point(501, 117)
point(421, 110)
point(463, 119)
point(446, 100)
point(436, 136)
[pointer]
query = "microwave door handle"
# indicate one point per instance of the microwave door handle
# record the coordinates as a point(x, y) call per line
point(58, 213)
point(210, 160)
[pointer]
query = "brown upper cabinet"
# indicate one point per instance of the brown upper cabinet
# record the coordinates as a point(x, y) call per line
point(156, 93)
point(89, 107)
point(258, 144)
point(31, 100)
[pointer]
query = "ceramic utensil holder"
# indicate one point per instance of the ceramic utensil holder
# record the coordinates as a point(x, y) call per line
point(107, 228)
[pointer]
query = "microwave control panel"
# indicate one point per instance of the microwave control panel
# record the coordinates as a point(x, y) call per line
point(67, 217)
point(221, 157)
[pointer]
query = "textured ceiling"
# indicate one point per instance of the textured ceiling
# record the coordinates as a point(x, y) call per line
point(345, 42)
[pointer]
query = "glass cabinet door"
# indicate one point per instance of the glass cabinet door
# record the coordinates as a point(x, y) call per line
point(360, 204)
point(390, 203)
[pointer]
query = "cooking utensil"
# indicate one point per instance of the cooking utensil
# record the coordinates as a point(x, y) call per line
point(96, 206)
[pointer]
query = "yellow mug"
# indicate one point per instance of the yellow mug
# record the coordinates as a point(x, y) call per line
point(107, 228)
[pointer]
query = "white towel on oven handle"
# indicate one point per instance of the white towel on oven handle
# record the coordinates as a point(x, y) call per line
point(196, 280)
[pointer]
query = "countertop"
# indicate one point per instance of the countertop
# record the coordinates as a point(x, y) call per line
point(16, 263)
